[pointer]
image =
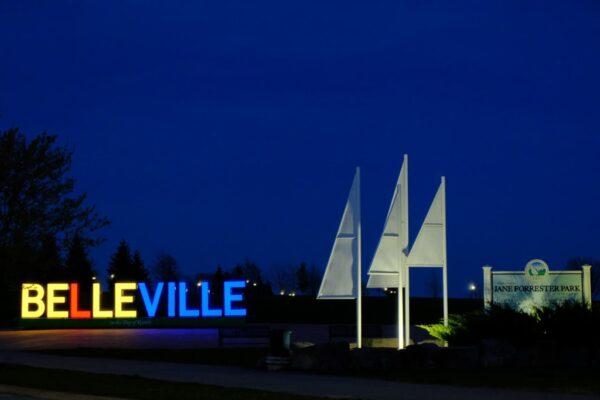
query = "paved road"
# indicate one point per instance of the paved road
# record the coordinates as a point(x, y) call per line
point(287, 382)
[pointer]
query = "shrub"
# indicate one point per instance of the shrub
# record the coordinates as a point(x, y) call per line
point(563, 323)
point(568, 322)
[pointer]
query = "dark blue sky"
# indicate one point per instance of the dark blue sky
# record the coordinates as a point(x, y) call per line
point(228, 130)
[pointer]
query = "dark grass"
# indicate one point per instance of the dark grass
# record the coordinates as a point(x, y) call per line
point(132, 387)
point(565, 380)
point(229, 356)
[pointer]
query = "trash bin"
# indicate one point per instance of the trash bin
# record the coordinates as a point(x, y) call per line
point(279, 350)
point(280, 342)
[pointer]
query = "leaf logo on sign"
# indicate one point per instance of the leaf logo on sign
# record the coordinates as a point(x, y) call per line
point(536, 269)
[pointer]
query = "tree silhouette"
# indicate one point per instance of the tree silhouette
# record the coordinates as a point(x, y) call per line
point(49, 265)
point(78, 266)
point(125, 267)
point(165, 268)
point(302, 278)
point(37, 202)
point(314, 281)
point(139, 272)
point(120, 265)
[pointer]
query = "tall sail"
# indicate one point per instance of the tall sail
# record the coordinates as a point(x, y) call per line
point(393, 244)
point(429, 248)
point(341, 277)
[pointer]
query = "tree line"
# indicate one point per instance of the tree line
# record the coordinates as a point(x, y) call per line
point(47, 229)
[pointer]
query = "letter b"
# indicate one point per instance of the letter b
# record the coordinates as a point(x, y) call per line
point(27, 300)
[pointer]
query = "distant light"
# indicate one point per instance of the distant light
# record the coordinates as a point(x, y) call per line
point(385, 289)
point(254, 284)
point(282, 292)
point(247, 280)
point(93, 278)
point(472, 287)
point(199, 284)
point(112, 276)
point(292, 294)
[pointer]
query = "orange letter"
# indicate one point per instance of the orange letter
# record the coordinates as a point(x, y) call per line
point(75, 311)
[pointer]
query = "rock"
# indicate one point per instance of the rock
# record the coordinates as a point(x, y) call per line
point(305, 361)
point(301, 345)
point(328, 357)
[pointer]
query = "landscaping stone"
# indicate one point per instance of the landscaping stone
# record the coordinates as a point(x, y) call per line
point(327, 357)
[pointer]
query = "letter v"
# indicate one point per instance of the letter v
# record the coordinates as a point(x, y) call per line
point(151, 304)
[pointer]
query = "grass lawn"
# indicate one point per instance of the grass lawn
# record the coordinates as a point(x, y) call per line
point(574, 380)
point(562, 380)
point(126, 386)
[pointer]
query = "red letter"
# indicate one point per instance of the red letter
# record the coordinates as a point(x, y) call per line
point(75, 311)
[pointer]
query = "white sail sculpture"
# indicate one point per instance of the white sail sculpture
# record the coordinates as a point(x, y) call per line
point(342, 278)
point(429, 248)
point(389, 268)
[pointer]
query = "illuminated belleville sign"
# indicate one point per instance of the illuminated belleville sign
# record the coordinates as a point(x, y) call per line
point(50, 300)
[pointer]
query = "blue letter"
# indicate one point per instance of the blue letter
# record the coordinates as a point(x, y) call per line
point(171, 306)
point(206, 310)
point(230, 298)
point(183, 310)
point(150, 304)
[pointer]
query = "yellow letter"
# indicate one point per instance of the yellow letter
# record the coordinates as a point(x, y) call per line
point(121, 298)
point(97, 312)
point(56, 299)
point(27, 300)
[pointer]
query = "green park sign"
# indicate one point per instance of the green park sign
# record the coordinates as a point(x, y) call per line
point(535, 286)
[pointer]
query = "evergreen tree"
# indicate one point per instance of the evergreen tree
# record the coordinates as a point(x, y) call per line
point(139, 272)
point(314, 281)
point(302, 278)
point(120, 266)
point(49, 266)
point(252, 272)
point(39, 211)
point(165, 268)
point(216, 293)
point(78, 266)
point(237, 272)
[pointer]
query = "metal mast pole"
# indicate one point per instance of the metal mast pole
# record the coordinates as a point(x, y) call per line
point(359, 269)
point(444, 269)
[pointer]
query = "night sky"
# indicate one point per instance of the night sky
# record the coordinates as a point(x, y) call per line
point(231, 130)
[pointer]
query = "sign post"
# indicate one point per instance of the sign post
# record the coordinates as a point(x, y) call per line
point(535, 286)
